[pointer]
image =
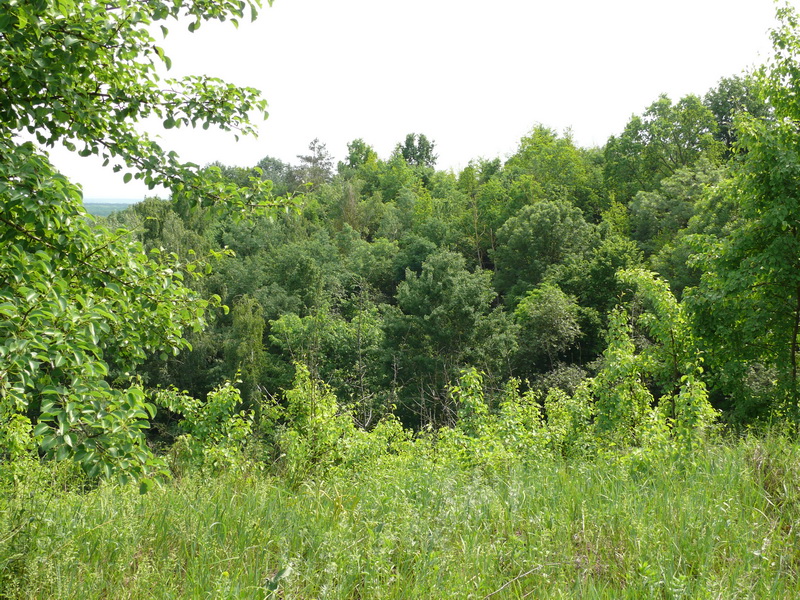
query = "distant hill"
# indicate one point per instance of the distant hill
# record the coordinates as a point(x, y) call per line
point(102, 207)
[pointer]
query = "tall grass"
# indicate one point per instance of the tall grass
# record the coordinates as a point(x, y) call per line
point(724, 526)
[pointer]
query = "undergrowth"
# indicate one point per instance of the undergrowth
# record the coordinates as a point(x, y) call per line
point(412, 525)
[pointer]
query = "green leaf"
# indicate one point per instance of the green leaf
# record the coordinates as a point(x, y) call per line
point(145, 485)
point(41, 429)
point(62, 452)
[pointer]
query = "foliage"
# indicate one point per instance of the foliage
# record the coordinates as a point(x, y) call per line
point(715, 215)
point(283, 176)
point(591, 277)
point(316, 167)
point(359, 154)
point(513, 430)
point(343, 352)
point(747, 305)
point(214, 431)
point(655, 145)
point(670, 361)
point(79, 302)
point(417, 150)
point(549, 324)
point(623, 399)
point(440, 314)
point(520, 424)
point(536, 239)
point(730, 97)
point(487, 202)
point(310, 441)
point(468, 394)
point(547, 166)
point(569, 421)
point(82, 74)
point(244, 349)
point(373, 339)
point(412, 296)
point(658, 216)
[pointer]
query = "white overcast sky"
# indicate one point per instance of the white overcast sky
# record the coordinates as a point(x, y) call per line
point(473, 76)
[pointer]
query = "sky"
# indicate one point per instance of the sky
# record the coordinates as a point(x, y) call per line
point(475, 77)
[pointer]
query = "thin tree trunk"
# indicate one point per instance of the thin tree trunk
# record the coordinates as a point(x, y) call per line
point(793, 357)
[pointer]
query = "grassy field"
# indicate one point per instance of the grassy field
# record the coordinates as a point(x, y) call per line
point(412, 527)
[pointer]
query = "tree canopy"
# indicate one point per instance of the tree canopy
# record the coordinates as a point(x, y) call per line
point(396, 278)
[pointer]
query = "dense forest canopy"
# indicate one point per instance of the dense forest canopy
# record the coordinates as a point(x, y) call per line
point(655, 279)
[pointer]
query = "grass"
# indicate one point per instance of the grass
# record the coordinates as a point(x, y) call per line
point(410, 527)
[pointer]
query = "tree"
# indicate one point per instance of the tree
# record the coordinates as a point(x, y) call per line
point(359, 153)
point(535, 240)
point(316, 167)
point(666, 138)
point(486, 202)
point(339, 351)
point(549, 325)
point(731, 96)
point(547, 166)
point(658, 216)
point(747, 305)
point(593, 279)
point(283, 177)
point(715, 217)
point(244, 348)
point(437, 325)
point(76, 300)
point(669, 361)
point(417, 150)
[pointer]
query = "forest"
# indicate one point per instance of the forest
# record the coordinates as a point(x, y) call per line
point(569, 372)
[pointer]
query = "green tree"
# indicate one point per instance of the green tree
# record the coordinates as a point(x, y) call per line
point(434, 330)
point(658, 216)
point(592, 279)
point(535, 240)
point(731, 96)
point(669, 361)
point(76, 300)
point(655, 145)
point(394, 177)
point(285, 179)
point(344, 353)
point(156, 224)
point(549, 325)
point(244, 348)
point(316, 167)
point(486, 204)
point(547, 166)
point(359, 154)
point(748, 303)
point(417, 150)
point(362, 164)
point(715, 216)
